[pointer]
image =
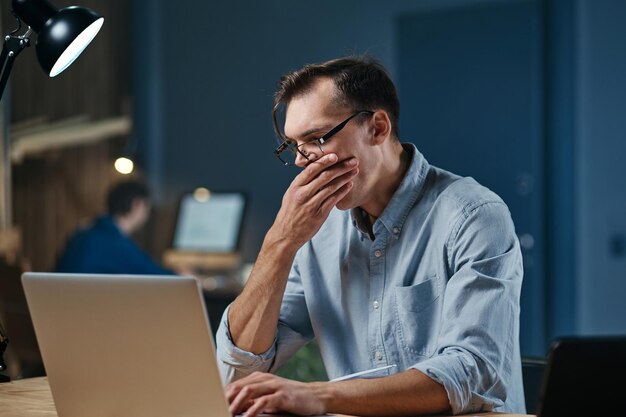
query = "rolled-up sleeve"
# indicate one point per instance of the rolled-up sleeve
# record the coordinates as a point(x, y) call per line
point(293, 331)
point(477, 343)
point(235, 363)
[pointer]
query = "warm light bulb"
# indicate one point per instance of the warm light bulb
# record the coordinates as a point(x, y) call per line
point(124, 165)
point(201, 194)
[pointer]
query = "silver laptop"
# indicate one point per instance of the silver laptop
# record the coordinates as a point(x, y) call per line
point(133, 346)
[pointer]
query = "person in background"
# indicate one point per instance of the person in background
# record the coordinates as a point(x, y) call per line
point(105, 247)
point(397, 268)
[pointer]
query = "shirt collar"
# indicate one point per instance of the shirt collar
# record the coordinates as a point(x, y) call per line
point(107, 222)
point(394, 215)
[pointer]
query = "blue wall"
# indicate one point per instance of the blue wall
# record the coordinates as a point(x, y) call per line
point(601, 107)
point(205, 72)
point(473, 102)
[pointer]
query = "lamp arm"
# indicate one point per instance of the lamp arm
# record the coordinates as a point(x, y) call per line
point(13, 45)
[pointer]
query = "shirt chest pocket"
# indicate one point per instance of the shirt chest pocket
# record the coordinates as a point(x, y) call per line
point(418, 316)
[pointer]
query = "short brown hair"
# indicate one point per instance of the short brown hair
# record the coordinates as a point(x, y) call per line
point(361, 82)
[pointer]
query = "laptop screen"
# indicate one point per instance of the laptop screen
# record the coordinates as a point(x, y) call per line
point(209, 223)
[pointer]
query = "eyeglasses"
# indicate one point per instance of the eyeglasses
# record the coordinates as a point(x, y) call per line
point(312, 150)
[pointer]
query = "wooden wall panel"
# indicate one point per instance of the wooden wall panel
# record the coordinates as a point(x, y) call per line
point(55, 194)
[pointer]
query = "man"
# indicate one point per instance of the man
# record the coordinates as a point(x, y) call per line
point(105, 247)
point(387, 261)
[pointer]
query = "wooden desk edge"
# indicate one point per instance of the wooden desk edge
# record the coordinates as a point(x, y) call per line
point(32, 397)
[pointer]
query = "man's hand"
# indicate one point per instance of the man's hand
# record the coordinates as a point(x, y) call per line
point(407, 393)
point(253, 317)
point(262, 392)
point(310, 198)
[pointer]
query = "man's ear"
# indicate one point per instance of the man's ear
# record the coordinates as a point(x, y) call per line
point(381, 127)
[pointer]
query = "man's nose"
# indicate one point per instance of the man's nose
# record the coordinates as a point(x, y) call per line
point(311, 151)
point(301, 160)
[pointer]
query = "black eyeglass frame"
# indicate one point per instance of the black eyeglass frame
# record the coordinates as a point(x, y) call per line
point(291, 146)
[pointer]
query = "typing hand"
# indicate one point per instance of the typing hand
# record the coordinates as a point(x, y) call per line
point(261, 392)
point(311, 196)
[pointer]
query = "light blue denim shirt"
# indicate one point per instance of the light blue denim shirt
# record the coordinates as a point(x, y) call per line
point(436, 289)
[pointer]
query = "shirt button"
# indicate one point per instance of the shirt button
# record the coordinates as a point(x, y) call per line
point(378, 254)
point(396, 230)
point(376, 304)
point(378, 356)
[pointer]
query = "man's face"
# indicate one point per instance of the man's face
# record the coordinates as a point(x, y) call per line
point(140, 212)
point(312, 115)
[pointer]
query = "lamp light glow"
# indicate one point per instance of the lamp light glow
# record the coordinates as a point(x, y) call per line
point(201, 194)
point(124, 165)
point(76, 47)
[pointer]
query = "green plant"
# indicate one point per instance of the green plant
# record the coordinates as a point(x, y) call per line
point(306, 365)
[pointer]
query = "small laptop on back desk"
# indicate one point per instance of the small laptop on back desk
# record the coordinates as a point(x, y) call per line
point(584, 376)
point(208, 231)
point(132, 346)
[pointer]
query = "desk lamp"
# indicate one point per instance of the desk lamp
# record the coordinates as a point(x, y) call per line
point(62, 35)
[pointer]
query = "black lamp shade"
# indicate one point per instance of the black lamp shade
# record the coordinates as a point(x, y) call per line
point(61, 34)
point(35, 13)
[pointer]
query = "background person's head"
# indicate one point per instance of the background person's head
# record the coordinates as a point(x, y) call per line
point(360, 83)
point(128, 202)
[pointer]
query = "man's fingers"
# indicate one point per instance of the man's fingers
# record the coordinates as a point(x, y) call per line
point(319, 204)
point(231, 392)
point(249, 393)
point(314, 168)
point(264, 403)
point(326, 183)
point(322, 171)
point(270, 393)
point(240, 401)
point(336, 197)
point(313, 203)
point(233, 388)
point(336, 183)
point(330, 174)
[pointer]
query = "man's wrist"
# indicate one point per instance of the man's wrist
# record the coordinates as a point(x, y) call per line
point(325, 393)
point(278, 242)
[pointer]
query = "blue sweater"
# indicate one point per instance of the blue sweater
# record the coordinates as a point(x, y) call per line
point(103, 248)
